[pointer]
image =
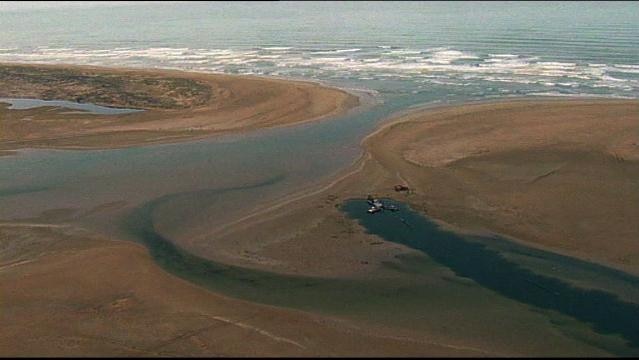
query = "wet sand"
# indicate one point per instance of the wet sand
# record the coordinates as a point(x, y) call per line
point(547, 173)
point(178, 105)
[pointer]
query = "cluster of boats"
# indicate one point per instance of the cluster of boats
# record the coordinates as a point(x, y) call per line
point(378, 205)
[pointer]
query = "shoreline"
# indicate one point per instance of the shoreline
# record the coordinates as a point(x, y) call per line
point(241, 104)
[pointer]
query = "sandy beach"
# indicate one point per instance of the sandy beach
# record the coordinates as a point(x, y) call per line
point(178, 105)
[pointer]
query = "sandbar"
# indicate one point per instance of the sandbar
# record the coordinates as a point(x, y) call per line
point(177, 105)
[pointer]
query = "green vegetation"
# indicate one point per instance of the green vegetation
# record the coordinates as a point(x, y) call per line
point(132, 90)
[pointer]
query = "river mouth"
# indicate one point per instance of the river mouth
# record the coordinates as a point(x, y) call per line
point(26, 104)
point(489, 277)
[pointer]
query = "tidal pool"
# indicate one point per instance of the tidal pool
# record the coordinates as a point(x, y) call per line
point(23, 104)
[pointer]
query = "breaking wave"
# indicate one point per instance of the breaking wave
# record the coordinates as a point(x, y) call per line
point(449, 66)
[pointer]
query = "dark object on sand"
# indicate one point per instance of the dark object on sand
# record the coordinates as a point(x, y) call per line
point(399, 188)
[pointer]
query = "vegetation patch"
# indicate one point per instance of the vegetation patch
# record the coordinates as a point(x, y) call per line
point(131, 90)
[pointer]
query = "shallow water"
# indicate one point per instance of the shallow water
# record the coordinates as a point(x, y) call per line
point(22, 104)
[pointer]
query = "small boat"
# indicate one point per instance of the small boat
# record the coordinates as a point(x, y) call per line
point(377, 206)
point(373, 210)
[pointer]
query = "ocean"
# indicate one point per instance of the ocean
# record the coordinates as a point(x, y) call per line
point(436, 50)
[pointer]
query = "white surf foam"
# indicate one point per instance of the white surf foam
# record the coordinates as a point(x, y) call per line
point(443, 63)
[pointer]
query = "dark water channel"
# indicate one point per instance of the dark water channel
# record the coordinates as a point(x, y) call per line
point(486, 261)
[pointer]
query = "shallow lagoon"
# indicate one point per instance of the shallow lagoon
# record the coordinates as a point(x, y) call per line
point(23, 104)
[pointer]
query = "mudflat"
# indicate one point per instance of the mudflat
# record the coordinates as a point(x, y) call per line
point(177, 105)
